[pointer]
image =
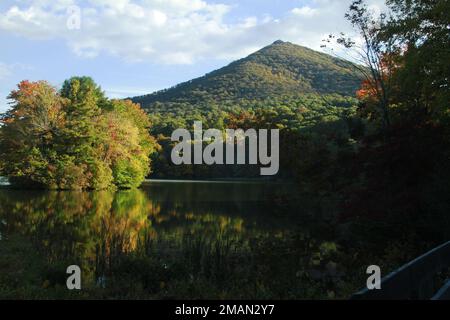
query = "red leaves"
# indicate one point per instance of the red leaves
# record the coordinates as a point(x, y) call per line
point(367, 91)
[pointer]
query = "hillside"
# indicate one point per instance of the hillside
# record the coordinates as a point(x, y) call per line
point(279, 70)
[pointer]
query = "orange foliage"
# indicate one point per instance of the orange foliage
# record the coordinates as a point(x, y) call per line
point(367, 92)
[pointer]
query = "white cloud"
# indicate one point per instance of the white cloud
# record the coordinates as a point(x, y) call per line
point(125, 92)
point(172, 31)
point(304, 11)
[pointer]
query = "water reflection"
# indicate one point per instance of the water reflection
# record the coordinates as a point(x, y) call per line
point(190, 240)
point(195, 228)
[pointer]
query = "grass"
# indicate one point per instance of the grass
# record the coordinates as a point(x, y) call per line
point(202, 268)
point(24, 273)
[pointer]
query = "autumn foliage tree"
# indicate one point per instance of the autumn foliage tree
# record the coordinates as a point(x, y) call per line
point(74, 138)
point(375, 59)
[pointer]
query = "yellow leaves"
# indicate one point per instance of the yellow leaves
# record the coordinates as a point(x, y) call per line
point(122, 138)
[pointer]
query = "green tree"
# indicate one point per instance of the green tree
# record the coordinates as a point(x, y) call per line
point(421, 28)
point(28, 134)
point(73, 139)
point(128, 143)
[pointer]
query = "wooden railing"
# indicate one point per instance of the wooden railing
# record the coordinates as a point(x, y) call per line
point(414, 280)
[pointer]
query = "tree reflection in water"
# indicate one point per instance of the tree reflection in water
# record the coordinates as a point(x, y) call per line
point(184, 240)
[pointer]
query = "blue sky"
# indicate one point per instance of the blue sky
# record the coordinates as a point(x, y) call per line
point(133, 47)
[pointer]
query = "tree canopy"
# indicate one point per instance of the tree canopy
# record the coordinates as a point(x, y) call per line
point(74, 138)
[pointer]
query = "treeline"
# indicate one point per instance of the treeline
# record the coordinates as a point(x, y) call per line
point(74, 138)
point(312, 117)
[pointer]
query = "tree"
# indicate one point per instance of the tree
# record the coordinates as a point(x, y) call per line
point(29, 133)
point(128, 143)
point(421, 28)
point(73, 139)
point(374, 55)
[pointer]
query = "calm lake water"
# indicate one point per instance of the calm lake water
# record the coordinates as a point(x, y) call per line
point(173, 239)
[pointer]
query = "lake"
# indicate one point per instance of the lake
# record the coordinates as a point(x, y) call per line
point(177, 239)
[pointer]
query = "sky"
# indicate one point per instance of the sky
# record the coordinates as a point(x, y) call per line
point(135, 47)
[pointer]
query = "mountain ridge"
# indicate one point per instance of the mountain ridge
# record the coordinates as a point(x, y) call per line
point(280, 69)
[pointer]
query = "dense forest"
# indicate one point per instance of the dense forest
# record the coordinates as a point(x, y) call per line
point(282, 86)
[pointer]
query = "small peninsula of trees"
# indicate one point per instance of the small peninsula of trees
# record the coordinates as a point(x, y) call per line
point(74, 138)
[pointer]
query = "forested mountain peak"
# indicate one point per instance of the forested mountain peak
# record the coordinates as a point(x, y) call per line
point(282, 69)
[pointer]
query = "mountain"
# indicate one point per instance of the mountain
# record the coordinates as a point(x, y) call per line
point(281, 69)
